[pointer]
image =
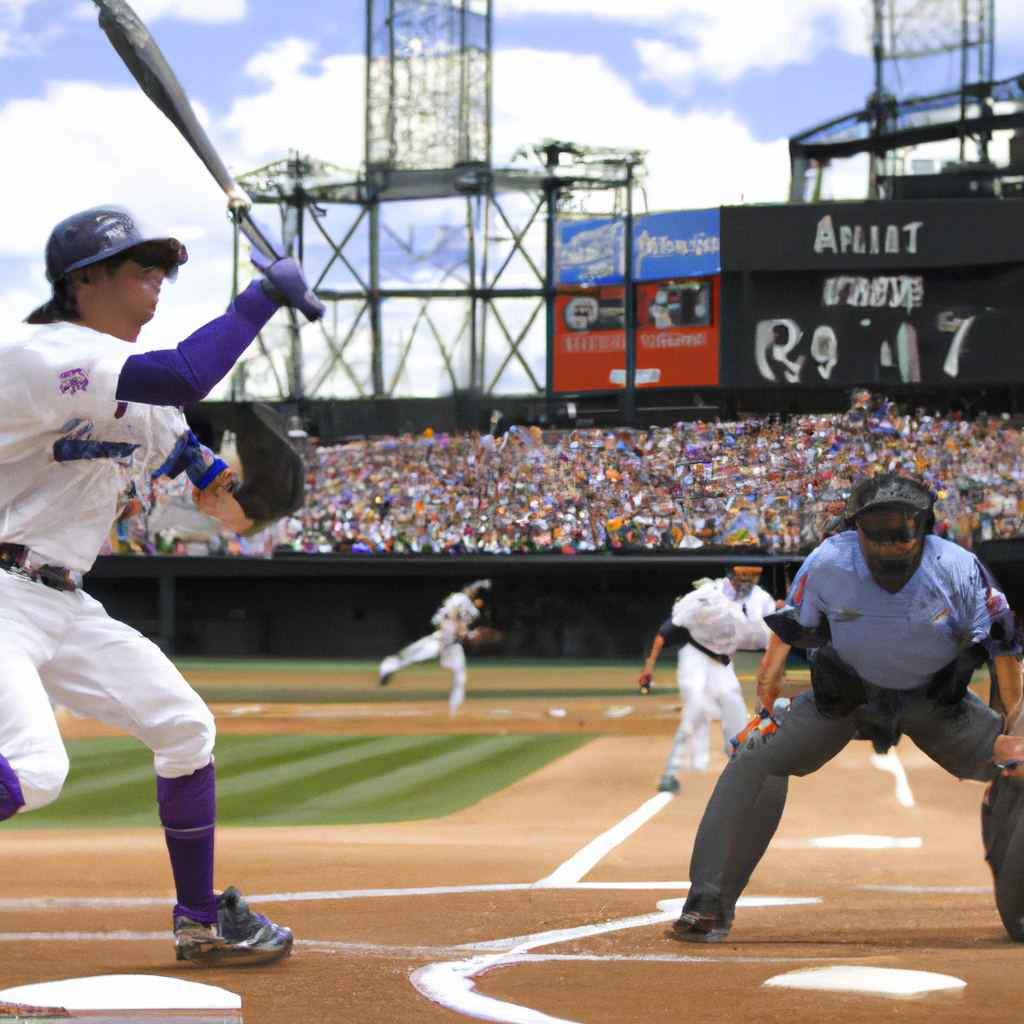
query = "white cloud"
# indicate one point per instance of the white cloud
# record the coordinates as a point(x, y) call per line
point(315, 107)
point(83, 156)
point(722, 40)
point(208, 11)
point(694, 160)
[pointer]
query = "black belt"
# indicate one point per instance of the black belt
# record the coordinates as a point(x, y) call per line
point(722, 659)
point(14, 558)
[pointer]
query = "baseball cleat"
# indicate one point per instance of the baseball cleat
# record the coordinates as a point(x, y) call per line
point(239, 939)
point(668, 784)
point(384, 678)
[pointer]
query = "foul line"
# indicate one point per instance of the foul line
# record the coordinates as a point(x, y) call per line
point(928, 888)
point(596, 850)
point(101, 902)
point(891, 762)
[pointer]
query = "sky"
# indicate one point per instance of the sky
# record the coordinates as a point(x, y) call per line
point(711, 90)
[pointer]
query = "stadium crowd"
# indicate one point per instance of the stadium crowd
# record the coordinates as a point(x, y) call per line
point(756, 484)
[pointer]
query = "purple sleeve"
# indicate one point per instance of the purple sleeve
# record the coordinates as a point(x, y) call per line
point(189, 372)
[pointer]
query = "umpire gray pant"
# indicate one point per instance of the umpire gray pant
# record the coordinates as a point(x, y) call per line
point(746, 805)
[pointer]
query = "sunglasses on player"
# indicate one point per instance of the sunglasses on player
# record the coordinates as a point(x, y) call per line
point(889, 526)
point(167, 253)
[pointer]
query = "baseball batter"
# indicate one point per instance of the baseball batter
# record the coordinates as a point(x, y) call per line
point(896, 621)
point(452, 622)
point(711, 623)
point(85, 425)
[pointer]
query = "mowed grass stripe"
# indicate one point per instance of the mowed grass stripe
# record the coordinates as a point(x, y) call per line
point(319, 780)
point(350, 801)
point(296, 772)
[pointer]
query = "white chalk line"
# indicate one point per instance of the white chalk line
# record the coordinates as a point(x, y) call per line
point(567, 876)
point(597, 849)
point(891, 762)
point(120, 936)
point(103, 902)
point(928, 888)
point(450, 983)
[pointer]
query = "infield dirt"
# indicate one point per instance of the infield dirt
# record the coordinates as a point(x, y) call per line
point(353, 956)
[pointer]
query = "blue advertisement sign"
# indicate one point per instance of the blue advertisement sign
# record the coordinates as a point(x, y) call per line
point(680, 243)
point(591, 251)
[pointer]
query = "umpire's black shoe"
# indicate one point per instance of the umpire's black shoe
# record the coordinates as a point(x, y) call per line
point(240, 938)
point(703, 921)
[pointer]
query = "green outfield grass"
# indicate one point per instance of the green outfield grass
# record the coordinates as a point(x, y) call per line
point(302, 780)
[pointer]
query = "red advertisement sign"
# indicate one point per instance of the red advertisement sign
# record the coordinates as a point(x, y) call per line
point(590, 340)
point(676, 336)
point(677, 333)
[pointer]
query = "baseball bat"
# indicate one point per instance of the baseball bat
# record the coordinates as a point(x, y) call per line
point(137, 48)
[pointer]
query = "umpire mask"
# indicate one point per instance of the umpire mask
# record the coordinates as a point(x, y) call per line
point(892, 542)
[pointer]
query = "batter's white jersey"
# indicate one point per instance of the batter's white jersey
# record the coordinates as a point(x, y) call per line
point(718, 620)
point(70, 453)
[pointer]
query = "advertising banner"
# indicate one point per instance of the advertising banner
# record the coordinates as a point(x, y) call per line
point(926, 326)
point(876, 236)
point(680, 243)
point(677, 333)
point(589, 252)
point(589, 352)
point(676, 336)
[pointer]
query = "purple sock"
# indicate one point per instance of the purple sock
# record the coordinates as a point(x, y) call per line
point(10, 790)
point(188, 807)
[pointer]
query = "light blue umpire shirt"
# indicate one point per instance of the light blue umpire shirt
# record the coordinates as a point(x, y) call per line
point(899, 641)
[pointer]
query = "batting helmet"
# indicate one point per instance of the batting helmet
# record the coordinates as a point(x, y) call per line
point(97, 234)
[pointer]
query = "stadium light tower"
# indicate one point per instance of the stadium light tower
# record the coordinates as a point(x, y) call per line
point(428, 83)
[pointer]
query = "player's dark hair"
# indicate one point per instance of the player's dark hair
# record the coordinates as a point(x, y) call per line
point(60, 306)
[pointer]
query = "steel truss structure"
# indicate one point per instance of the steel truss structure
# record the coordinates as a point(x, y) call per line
point(461, 301)
point(914, 43)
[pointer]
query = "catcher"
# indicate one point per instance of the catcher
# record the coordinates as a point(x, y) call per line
point(711, 623)
point(452, 622)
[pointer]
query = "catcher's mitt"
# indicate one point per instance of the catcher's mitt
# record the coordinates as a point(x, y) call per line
point(484, 640)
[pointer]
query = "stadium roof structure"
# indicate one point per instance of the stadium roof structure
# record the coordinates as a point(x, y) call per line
point(880, 128)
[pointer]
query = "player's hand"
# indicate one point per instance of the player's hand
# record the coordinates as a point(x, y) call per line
point(218, 501)
point(1009, 751)
point(767, 694)
point(645, 682)
point(284, 284)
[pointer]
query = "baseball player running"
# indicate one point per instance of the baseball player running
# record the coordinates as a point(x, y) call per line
point(452, 620)
point(896, 621)
point(85, 425)
point(711, 623)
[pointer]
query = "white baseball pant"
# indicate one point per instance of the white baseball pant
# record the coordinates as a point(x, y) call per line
point(63, 646)
point(710, 690)
point(451, 656)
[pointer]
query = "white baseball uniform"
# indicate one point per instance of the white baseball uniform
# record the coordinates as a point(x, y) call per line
point(71, 457)
point(453, 621)
point(721, 621)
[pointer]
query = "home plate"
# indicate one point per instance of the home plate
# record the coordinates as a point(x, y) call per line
point(882, 981)
point(89, 997)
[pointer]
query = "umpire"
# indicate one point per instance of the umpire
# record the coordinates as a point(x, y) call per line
point(896, 621)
